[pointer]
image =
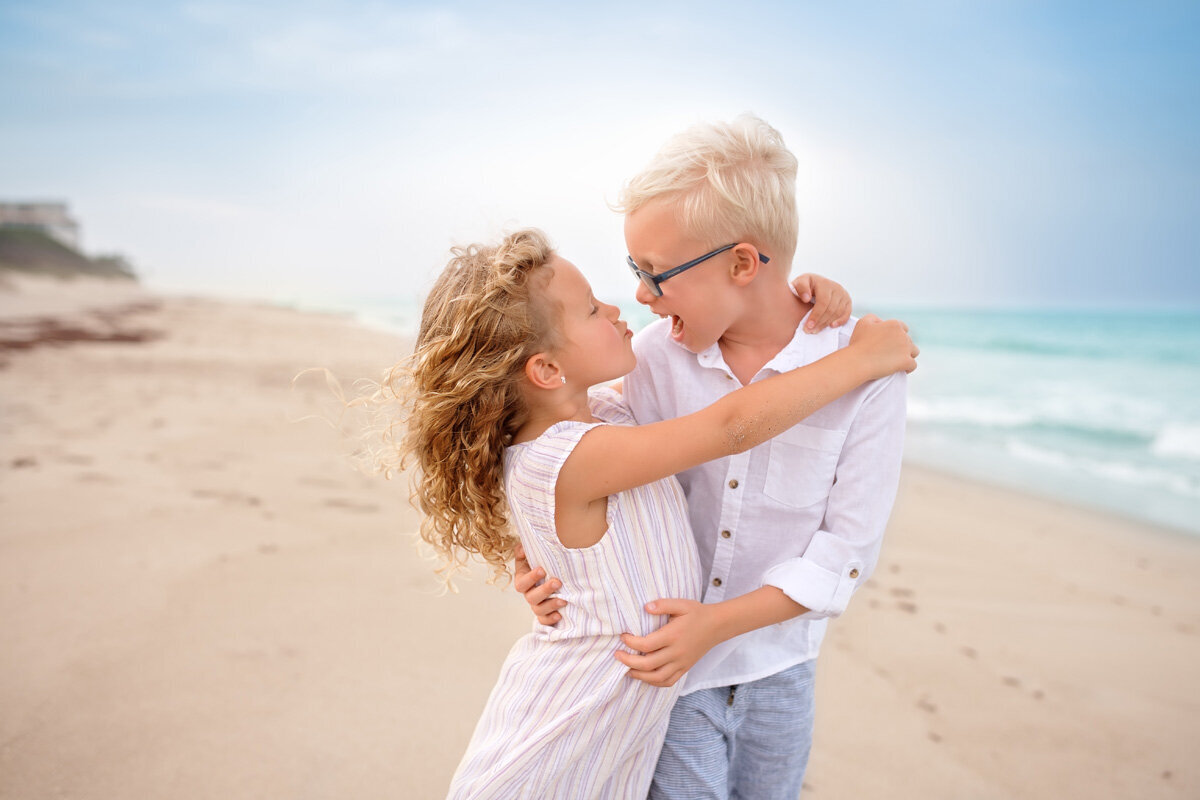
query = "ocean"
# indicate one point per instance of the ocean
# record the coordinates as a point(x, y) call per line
point(1101, 408)
point(1098, 408)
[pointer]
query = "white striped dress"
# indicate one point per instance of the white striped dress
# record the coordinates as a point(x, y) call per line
point(564, 720)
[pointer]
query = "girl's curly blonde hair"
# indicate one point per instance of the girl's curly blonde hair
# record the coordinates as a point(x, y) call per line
point(461, 391)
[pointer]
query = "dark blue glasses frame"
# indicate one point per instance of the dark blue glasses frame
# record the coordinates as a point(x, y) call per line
point(652, 281)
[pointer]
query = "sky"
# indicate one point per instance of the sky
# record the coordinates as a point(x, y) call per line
point(968, 154)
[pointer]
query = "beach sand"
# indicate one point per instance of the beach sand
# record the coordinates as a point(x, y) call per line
point(202, 599)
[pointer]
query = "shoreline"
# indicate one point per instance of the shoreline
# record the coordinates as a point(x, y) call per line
point(1148, 527)
point(200, 599)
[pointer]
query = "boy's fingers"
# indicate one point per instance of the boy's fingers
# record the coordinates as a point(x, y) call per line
point(646, 644)
point(547, 607)
point(664, 676)
point(540, 594)
point(644, 663)
point(635, 642)
point(526, 579)
point(671, 606)
point(549, 619)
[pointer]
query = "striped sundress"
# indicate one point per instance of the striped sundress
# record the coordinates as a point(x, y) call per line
point(564, 719)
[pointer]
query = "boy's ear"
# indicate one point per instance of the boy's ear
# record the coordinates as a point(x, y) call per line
point(745, 265)
point(542, 371)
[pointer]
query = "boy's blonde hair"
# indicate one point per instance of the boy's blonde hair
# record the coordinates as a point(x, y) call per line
point(462, 397)
point(731, 181)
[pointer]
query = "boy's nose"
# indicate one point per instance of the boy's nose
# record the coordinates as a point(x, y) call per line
point(643, 294)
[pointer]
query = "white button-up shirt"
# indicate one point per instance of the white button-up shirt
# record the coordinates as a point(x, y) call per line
point(804, 512)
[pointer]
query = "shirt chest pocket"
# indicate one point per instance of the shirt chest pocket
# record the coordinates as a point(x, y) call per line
point(802, 464)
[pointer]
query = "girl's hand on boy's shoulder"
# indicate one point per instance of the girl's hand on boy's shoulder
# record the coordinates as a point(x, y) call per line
point(665, 656)
point(886, 344)
point(538, 591)
point(831, 302)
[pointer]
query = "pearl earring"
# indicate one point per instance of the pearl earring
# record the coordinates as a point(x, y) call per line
point(564, 378)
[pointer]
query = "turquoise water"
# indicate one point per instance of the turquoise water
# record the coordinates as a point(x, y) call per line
point(1101, 408)
point(1097, 408)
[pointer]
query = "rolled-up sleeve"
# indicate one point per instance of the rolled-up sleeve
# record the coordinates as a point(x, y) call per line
point(843, 552)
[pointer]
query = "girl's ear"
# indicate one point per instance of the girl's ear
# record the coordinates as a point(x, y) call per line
point(745, 265)
point(543, 372)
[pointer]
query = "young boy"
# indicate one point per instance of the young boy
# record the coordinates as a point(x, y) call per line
point(786, 531)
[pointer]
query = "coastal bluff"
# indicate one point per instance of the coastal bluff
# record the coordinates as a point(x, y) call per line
point(32, 251)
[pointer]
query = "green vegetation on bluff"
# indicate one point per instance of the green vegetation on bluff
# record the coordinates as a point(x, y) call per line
point(29, 250)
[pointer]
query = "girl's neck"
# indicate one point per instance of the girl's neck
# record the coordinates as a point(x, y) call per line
point(550, 407)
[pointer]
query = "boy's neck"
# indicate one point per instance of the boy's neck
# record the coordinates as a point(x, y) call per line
point(768, 323)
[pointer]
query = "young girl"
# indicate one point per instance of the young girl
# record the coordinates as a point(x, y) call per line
point(513, 449)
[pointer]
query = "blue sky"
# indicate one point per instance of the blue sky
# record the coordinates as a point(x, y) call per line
point(954, 153)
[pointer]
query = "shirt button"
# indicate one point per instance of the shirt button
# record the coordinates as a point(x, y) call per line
point(716, 581)
point(725, 534)
point(854, 573)
point(733, 484)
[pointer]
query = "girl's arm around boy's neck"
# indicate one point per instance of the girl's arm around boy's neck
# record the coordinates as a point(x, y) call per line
point(612, 458)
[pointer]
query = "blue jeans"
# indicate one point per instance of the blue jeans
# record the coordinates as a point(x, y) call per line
point(746, 742)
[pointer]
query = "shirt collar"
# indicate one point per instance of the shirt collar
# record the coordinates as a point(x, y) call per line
point(804, 348)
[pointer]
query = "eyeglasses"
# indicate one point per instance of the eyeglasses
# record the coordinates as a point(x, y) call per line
point(652, 281)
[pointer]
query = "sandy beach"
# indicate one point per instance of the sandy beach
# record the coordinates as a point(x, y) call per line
point(200, 598)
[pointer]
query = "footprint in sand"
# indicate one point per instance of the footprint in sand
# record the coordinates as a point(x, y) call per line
point(1012, 681)
point(328, 483)
point(901, 592)
point(906, 606)
point(350, 505)
point(95, 477)
point(969, 652)
point(23, 462)
point(227, 497)
point(925, 704)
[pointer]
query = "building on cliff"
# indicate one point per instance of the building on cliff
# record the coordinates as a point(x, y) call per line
point(50, 218)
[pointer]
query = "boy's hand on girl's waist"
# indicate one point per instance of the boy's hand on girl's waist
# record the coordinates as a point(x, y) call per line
point(538, 590)
point(666, 655)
